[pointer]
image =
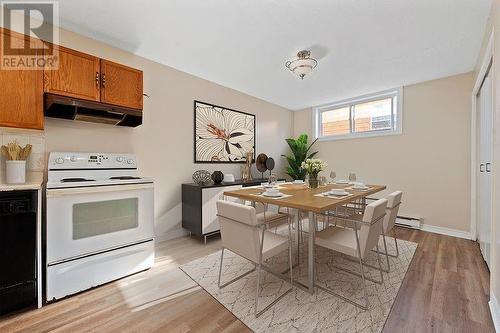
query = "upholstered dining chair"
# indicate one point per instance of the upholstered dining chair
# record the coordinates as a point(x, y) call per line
point(393, 203)
point(322, 221)
point(275, 216)
point(243, 232)
point(356, 242)
point(278, 217)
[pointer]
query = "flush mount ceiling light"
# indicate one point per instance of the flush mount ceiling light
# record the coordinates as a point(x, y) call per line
point(303, 65)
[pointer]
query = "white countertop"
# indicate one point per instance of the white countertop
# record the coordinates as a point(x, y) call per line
point(34, 181)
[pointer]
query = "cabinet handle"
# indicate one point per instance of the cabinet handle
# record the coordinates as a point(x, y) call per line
point(97, 79)
point(103, 80)
point(481, 167)
point(488, 167)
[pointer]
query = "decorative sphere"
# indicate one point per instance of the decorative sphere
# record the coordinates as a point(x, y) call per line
point(201, 177)
point(217, 177)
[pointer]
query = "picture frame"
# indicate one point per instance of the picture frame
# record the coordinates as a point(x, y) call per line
point(222, 135)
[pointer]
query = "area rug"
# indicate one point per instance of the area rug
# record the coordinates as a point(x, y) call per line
point(300, 311)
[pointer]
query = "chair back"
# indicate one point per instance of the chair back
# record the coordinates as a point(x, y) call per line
point(393, 201)
point(239, 229)
point(371, 230)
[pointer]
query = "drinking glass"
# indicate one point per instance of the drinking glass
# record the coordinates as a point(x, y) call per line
point(333, 175)
point(352, 177)
point(322, 181)
point(272, 178)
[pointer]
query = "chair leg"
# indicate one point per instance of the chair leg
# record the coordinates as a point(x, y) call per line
point(233, 280)
point(395, 241)
point(301, 231)
point(385, 245)
point(315, 266)
point(363, 278)
point(364, 283)
point(362, 269)
point(358, 274)
point(380, 265)
point(261, 267)
point(290, 245)
point(386, 252)
point(220, 267)
point(298, 237)
point(258, 290)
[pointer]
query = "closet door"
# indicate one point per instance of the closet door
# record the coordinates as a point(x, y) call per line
point(484, 178)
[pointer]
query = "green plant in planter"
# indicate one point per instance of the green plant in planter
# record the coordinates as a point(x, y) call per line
point(300, 150)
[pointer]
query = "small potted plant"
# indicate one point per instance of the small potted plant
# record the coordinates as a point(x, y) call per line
point(313, 166)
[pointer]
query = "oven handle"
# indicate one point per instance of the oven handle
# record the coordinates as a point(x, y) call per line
point(59, 192)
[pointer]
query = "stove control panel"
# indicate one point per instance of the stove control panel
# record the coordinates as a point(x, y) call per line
point(68, 160)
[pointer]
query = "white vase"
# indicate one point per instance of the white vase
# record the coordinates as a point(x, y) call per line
point(15, 172)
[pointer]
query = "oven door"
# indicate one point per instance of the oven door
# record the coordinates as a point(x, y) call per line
point(89, 220)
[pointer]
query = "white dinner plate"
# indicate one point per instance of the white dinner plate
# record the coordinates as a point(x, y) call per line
point(335, 196)
point(344, 194)
point(342, 182)
point(272, 195)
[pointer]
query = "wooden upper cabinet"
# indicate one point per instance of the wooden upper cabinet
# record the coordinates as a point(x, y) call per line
point(77, 75)
point(21, 92)
point(121, 85)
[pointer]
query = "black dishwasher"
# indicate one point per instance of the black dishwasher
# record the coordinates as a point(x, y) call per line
point(18, 217)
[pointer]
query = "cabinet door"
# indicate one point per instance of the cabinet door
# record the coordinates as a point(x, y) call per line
point(21, 93)
point(209, 198)
point(121, 85)
point(77, 75)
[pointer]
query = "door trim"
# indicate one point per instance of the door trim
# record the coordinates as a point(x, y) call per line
point(483, 71)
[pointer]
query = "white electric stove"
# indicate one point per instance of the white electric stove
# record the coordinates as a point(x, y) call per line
point(100, 221)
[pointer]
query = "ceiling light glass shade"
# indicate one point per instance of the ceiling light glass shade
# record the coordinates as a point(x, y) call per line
point(303, 65)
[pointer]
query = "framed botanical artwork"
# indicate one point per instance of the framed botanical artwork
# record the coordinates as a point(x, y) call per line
point(222, 135)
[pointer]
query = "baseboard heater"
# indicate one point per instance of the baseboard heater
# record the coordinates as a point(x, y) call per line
point(414, 222)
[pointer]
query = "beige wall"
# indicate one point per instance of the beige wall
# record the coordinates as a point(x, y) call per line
point(494, 23)
point(164, 143)
point(430, 161)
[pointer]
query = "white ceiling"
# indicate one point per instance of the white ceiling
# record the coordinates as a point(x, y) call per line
point(362, 46)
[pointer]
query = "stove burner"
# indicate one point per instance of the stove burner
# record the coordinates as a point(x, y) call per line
point(125, 177)
point(72, 180)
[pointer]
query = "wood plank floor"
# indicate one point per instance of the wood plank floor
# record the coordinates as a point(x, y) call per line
point(445, 290)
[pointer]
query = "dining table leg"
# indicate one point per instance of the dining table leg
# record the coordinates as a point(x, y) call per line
point(299, 234)
point(310, 252)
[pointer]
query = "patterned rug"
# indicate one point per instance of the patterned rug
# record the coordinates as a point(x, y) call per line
point(299, 311)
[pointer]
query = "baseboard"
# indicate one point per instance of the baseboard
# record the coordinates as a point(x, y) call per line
point(446, 231)
point(495, 311)
point(177, 233)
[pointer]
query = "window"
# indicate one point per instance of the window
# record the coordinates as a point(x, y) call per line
point(370, 115)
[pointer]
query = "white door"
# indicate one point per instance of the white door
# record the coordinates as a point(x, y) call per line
point(484, 157)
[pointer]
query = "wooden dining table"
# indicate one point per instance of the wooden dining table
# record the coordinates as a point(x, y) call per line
point(305, 199)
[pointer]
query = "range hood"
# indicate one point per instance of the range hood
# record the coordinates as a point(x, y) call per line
point(71, 108)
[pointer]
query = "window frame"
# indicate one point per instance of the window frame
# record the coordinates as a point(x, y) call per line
point(396, 129)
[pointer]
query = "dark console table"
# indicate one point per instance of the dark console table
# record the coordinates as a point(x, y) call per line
point(199, 211)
